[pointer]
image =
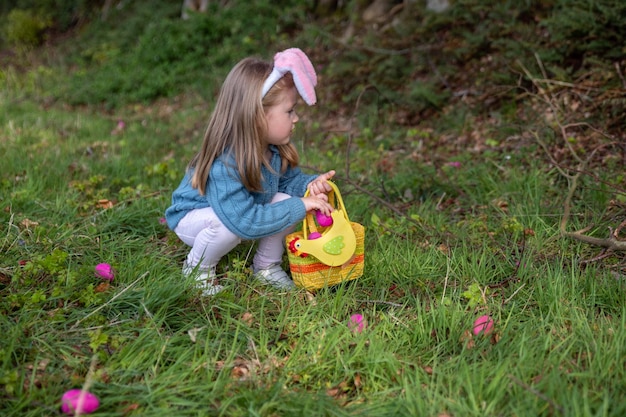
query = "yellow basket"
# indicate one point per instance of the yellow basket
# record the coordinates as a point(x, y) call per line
point(336, 255)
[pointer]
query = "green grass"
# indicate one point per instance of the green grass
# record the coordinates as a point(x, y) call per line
point(159, 348)
point(445, 243)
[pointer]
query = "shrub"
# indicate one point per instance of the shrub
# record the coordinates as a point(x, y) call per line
point(24, 28)
point(580, 28)
point(164, 57)
point(61, 14)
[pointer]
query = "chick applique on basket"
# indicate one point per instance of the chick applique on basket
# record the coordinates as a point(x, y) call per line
point(328, 250)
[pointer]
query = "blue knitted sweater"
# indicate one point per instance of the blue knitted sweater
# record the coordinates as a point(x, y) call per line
point(247, 214)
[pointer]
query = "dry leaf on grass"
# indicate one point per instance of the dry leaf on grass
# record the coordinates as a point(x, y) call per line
point(345, 387)
point(193, 333)
point(27, 223)
point(247, 318)
point(104, 204)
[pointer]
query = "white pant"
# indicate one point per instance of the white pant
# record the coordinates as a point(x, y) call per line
point(210, 240)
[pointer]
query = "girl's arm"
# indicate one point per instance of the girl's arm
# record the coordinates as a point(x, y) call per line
point(241, 214)
point(294, 181)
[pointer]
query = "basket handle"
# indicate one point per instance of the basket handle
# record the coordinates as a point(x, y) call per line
point(334, 199)
point(336, 245)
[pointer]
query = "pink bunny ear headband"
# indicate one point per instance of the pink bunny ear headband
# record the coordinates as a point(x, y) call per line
point(295, 61)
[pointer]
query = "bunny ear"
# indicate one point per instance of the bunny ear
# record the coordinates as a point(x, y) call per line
point(296, 62)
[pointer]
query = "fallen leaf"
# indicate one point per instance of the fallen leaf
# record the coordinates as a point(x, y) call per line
point(501, 204)
point(130, 407)
point(247, 318)
point(42, 365)
point(193, 333)
point(468, 339)
point(240, 372)
point(27, 223)
point(104, 204)
point(345, 387)
point(332, 392)
point(310, 298)
point(36, 378)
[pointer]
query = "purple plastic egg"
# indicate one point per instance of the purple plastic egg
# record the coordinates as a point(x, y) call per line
point(75, 401)
point(322, 219)
point(105, 271)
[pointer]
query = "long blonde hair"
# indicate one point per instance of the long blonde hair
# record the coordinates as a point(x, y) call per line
point(238, 126)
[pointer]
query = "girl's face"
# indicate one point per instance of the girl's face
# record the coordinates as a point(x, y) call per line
point(281, 118)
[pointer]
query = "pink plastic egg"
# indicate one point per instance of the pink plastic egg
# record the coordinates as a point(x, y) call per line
point(483, 324)
point(73, 402)
point(356, 323)
point(322, 219)
point(105, 271)
point(314, 235)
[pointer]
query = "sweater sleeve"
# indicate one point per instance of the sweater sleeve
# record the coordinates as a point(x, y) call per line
point(241, 212)
point(294, 182)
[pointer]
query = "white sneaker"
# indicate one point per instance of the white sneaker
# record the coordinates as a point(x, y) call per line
point(274, 276)
point(205, 280)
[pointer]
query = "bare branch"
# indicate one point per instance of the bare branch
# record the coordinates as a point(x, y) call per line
point(611, 243)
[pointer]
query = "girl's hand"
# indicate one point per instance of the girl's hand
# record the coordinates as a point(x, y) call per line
point(317, 203)
point(319, 186)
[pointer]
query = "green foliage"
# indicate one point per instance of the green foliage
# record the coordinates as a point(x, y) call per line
point(252, 350)
point(61, 14)
point(475, 295)
point(428, 61)
point(461, 210)
point(24, 28)
point(164, 57)
point(582, 29)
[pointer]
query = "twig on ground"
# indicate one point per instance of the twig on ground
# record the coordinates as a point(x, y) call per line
point(514, 293)
point(503, 283)
point(604, 253)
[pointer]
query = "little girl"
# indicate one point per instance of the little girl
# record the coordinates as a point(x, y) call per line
point(244, 183)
